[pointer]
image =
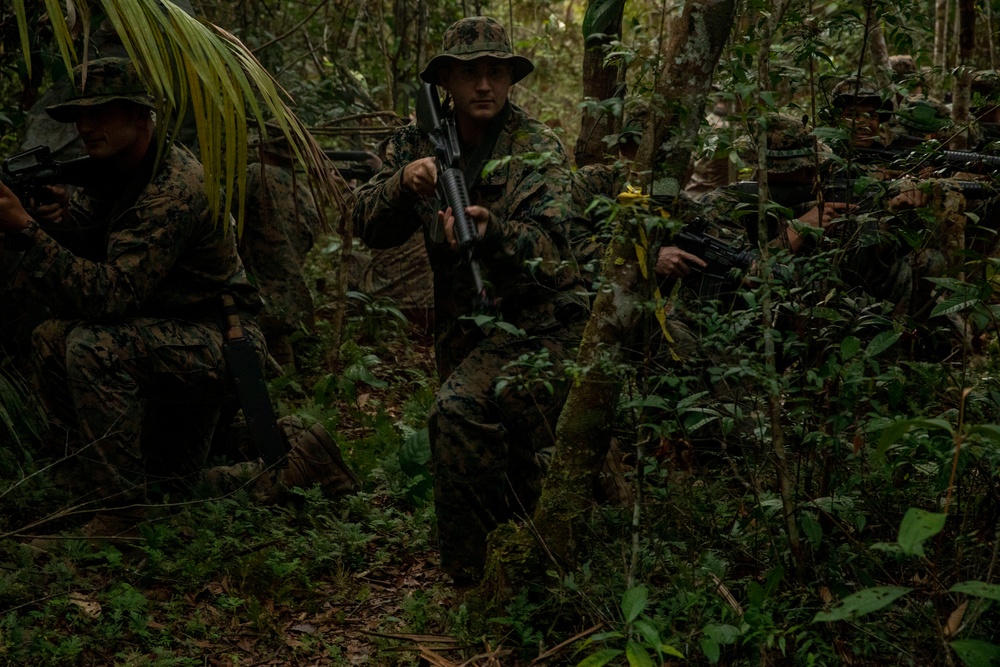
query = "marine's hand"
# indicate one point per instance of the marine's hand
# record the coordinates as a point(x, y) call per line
point(909, 197)
point(52, 207)
point(420, 176)
point(820, 217)
point(478, 216)
point(13, 217)
point(672, 262)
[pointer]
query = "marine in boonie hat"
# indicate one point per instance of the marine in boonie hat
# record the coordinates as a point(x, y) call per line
point(790, 146)
point(472, 38)
point(108, 79)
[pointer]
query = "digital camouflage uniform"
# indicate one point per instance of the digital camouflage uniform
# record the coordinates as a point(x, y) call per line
point(279, 230)
point(485, 439)
point(132, 363)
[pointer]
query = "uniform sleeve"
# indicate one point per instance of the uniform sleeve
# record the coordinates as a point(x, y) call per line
point(138, 258)
point(536, 225)
point(385, 214)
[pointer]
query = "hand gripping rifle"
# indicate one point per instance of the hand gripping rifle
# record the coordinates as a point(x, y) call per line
point(724, 261)
point(452, 189)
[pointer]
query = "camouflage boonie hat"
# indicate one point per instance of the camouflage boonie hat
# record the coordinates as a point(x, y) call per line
point(108, 79)
point(790, 146)
point(635, 122)
point(472, 38)
point(923, 115)
point(854, 90)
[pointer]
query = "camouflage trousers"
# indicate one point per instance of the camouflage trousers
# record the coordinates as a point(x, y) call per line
point(490, 444)
point(137, 402)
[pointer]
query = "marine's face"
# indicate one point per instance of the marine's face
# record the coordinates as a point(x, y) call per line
point(478, 87)
point(863, 122)
point(111, 130)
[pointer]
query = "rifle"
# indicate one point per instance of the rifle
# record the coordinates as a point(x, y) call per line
point(451, 186)
point(360, 168)
point(28, 172)
point(723, 259)
point(964, 160)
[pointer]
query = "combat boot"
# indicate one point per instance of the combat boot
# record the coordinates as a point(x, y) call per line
point(314, 458)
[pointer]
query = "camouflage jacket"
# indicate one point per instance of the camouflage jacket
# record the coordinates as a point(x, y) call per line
point(526, 254)
point(165, 256)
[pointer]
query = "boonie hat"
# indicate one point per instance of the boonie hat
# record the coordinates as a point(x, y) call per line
point(472, 38)
point(790, 146)
point(108, 79)
point(923, 115)
point(854, 90)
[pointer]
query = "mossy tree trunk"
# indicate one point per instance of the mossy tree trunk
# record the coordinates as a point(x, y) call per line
point(602, 80)
point(583, 433)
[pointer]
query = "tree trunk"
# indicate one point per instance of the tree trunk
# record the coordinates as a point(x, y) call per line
point(962, 91)
point(880, 58)
point(601, 81)
point(583, 431)
point(940, 55)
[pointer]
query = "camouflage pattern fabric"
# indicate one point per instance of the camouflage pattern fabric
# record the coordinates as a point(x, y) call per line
point(280, 226)
point(477, 37)
point(479, 440)
point(136, 341)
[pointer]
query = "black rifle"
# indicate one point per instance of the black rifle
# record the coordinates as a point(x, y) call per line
point(452, 189)
point(27, 173)
point(964, 160)
point(724, 261)
point(866, 193)
point(359, 167)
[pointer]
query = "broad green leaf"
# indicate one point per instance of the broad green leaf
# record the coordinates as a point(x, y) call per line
point(813, 530)
point(881, 343)
point(979, 589)
point(634, 602)
point(602, 636)
point(666, 649)
point(722, 633)
point(648, 631)
point(711, 650)
point(601, 658)
point(976, 653)
point(916, 528)
point(849, 347)
point(600, 15)
point(897, 429)
point(637, 655)
point(861, 603)
point(987, 431)
point(953, 305)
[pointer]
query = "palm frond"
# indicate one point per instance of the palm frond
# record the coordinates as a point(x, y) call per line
point(192, 65)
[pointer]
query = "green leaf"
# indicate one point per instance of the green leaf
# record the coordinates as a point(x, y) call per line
point(415, 453)
point(637, 655)
point(897, 429)
point(666, 649)
point(601, 658)
point(634, 602)
point(979, 589)
point(861, 603)
point(953, 305)
point(711, 650)
point(881, 343)
point(916, 528)
point(813, 530)
point(722, 633)
point(849, 347)
point(976, 653)
point(601, 14)
point(648, 631)
point(987, 431)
